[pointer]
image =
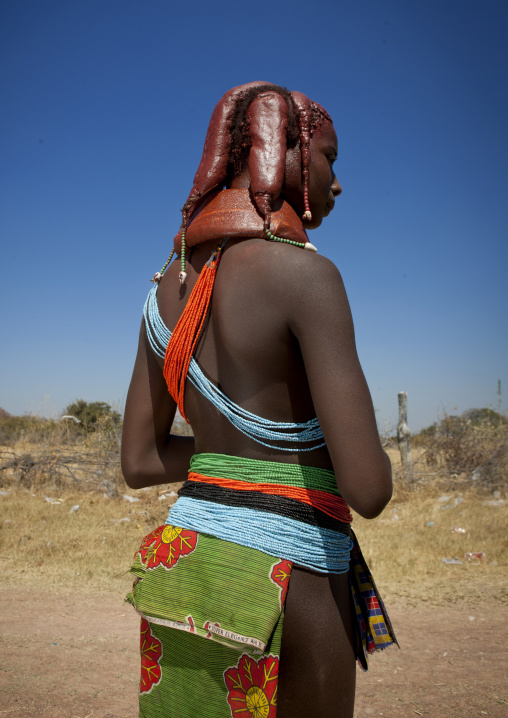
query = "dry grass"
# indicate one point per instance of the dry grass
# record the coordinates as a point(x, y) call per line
point(471, 448)
point(43, 543)
point(90, 548)
point(405, 554)
point(58, 456)
point(406, 544)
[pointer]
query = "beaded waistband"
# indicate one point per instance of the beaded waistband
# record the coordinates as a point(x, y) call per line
point(285, 510)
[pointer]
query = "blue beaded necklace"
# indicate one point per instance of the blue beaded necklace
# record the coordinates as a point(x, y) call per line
point(263, 431)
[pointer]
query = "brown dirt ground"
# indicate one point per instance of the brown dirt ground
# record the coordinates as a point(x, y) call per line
point(74, 655)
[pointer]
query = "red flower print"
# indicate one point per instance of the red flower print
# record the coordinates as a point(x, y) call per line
point(280, 575)
point(151, 652)
point(147, 541)
point(252, 687)
point(165, 545)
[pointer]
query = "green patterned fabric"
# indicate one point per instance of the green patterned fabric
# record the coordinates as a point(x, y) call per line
point(184, 676)
point(211, 626)
point(212, 588)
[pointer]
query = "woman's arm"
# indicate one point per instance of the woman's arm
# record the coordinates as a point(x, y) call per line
point(150, 454)
point(321, 320)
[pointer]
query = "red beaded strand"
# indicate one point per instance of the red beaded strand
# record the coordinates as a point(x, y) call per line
point(187, 331)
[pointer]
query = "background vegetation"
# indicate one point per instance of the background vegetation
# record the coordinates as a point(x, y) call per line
point(69, 519)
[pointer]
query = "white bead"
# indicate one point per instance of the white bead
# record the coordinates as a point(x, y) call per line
point(310, 247)
point(183, 277)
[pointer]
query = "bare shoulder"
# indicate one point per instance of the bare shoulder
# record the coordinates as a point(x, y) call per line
point(289, 271)
point(310, 286)
point(309, 274)
point(315, 267)
point(288, 285)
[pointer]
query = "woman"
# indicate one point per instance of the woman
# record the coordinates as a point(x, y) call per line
point(254, 597)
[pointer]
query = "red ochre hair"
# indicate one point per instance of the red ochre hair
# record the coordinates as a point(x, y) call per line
point(268, 116)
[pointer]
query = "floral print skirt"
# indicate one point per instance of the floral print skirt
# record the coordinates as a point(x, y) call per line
point(211, 626)
point(212, 615)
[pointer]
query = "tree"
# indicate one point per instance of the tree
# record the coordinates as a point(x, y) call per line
point(91, 413)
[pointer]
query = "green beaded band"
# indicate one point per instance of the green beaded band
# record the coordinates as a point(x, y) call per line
point(282, 239)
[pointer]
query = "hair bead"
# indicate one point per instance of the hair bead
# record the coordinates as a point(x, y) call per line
point(307, 214)
point(183, 274)
point(158, 275)
point(304, 120)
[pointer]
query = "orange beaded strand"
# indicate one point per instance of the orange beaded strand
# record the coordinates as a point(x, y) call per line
point(187, 332)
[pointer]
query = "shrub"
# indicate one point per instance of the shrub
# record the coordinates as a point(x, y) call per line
point(92, 414)
point(473, 446)
point(479, 417)
point(13, 428)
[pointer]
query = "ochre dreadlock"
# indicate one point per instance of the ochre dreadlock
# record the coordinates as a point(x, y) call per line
point(241, 141)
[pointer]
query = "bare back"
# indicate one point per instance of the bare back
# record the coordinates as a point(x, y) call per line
point(247, 346)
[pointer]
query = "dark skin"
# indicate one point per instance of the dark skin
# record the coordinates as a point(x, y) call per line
point(280, 342)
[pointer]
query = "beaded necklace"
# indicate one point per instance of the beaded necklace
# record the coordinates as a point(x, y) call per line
point(263, 431)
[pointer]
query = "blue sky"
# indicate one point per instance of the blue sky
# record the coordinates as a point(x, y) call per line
point(105, 105)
